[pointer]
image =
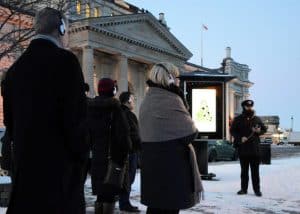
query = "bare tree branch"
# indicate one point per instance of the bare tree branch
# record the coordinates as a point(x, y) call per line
point(15, 32)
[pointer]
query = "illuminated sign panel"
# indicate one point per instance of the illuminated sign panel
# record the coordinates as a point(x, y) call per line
point(204, 109)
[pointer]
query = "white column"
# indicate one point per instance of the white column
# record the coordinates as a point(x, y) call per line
point(123, 73)
point(88, 68)
point(227, 110)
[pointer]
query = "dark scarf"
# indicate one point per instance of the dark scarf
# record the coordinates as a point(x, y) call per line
point(172, 88)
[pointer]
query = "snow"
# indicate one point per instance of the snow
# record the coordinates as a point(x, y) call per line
point(280, 185)
point(5, 180)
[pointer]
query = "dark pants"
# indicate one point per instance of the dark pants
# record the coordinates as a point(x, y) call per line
point(161, 211)
point(87, 168)
point(253, 162)
point(132, 166)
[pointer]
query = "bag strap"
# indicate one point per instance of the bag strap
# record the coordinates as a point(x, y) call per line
point(109, 135)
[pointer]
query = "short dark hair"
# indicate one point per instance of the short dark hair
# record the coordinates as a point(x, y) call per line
point(48, 20)
point(124, 97)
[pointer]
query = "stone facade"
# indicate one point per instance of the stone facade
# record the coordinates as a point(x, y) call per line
point(123, 47)
point(115, 39)
point(238, 89)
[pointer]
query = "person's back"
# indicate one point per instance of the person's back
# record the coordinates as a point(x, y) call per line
point(109, 133)
point(44, 109)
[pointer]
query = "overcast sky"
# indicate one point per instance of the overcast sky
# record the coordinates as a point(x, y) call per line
point(262, 34)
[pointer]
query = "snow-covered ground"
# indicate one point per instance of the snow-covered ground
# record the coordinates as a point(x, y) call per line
point(280, 185)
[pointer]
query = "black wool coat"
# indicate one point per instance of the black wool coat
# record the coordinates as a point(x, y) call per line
point(242, 127)
point(105, 112)
point(44, 113)
point(135, 139)
point(166, 174)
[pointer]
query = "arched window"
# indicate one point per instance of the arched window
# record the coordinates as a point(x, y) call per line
point(78, 7)
point(87, 11)
point(97, 12)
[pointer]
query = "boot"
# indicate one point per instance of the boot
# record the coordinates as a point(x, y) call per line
point(98, 207)
point(108, 208)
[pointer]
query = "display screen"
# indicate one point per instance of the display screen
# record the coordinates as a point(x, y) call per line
point(204, 109)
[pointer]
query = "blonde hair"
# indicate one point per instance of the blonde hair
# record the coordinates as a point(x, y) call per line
point(161, 73)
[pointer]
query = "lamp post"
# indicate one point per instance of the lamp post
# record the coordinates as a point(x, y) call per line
point(292, 123)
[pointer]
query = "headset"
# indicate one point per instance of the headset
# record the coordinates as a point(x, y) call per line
point(171, 78)
point(115, 90)
point(62, 26)
point(130, 99)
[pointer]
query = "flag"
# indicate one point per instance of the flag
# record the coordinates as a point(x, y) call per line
point(205, 27)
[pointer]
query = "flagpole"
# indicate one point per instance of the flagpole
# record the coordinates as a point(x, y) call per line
point(202, 45)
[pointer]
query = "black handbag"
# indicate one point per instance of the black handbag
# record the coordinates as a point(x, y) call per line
point(115, 173)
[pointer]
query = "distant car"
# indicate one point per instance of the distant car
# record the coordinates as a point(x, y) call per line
point(221, 150)
point(268, 140)
point(283, 142)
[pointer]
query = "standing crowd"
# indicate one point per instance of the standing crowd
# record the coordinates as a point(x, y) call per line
point(55, 135)
point(52, 127)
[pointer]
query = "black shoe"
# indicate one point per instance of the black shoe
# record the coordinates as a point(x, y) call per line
point(258, 193)
point(242, 192)
point(98, 208)
point(130, 209)
point(133, 206)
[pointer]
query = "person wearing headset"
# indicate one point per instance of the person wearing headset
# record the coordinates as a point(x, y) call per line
point(109, 135)
point(44, 113)
point(170, 179)
point(128, 105)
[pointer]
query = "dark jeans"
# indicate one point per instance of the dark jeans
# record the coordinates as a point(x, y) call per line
point(132, 166)
point(253, 162)
point(161, 211)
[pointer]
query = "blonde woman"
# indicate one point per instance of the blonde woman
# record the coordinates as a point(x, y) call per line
point(170, 180)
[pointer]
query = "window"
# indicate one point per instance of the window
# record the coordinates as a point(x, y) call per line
point(78, 7)
point(97, 12)
point(87, 11)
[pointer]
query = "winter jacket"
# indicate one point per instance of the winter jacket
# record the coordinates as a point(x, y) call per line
point(242, 127)
point(133, 130)
point(167, 178)
point(109, 135)
point(44, 112)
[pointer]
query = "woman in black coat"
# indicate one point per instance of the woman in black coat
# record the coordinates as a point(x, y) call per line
point(170, 178)
point(109, 133)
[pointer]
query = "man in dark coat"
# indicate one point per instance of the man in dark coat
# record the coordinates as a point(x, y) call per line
point(44, 110)
point(109, 135)
point(246, 130)
point(128, 105)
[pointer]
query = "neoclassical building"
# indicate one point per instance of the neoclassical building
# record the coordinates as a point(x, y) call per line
point(239, 87)
point(124, 46)
point(115, 39)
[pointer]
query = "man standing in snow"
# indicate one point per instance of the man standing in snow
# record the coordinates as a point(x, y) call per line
point(246, 129)
point(44, 113)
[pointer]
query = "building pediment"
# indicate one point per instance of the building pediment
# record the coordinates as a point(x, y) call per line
point(141, 29)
